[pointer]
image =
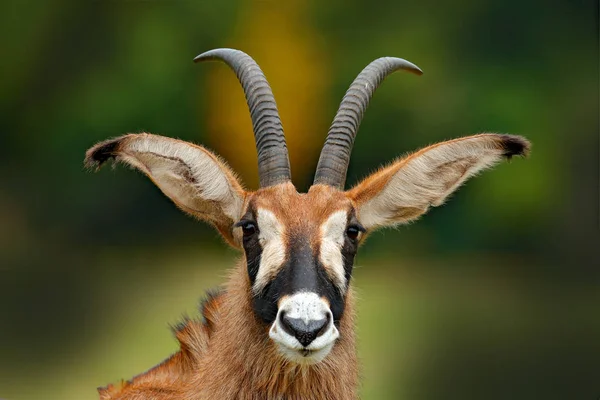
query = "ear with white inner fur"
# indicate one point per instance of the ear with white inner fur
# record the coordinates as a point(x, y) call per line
point(407, 188)
point(194, 178)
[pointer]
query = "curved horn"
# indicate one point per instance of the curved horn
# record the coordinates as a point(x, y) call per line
point(335, 156)
point(273, 162)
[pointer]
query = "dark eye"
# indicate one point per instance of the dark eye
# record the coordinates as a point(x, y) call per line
point(248, 228)
point(352, 232)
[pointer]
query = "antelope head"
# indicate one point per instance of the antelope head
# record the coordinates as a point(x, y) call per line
point(299, 248)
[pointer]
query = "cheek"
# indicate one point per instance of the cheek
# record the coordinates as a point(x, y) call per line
point(271, 260)
point(333, 262)
point(265, 305)
point(335, 295)
point(348, 252)
point(265, 301)
point(264, 289)
point(253, 252)
point(330, 291)
point(271, 243)
point(332, 235)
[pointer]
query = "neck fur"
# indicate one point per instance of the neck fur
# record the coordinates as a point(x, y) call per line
point(243, 362)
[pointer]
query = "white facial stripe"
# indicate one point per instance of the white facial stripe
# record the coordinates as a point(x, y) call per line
point(270, 237)
point(332, 240)
point(307, 306)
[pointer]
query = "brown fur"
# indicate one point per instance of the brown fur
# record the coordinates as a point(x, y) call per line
point(297, 211)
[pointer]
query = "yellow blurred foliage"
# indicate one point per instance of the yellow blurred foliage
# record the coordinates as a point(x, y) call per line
point(298, 76)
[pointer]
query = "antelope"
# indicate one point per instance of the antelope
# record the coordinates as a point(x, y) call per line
point(283, 326)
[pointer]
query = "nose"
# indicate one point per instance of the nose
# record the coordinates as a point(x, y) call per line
point(304, 331)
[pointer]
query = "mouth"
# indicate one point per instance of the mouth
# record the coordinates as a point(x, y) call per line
point(305, 356)
point(294, 351)
point(306, 352)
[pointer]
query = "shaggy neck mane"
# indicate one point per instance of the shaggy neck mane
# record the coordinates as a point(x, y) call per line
point(229, 355)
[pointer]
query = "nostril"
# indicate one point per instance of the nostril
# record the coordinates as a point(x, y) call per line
point(304, 332)
point(324, 325)
point(285, 323)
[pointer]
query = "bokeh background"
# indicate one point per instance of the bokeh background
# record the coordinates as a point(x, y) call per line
point(495, 295)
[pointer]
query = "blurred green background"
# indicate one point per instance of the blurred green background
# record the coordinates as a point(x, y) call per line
point(495, 295)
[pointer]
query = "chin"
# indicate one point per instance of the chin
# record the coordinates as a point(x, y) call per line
point(304, 356)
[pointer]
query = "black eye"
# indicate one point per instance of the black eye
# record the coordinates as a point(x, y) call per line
point(248, 228)
point(352, 232)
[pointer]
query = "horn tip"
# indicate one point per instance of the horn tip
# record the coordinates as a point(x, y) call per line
point(401, 63)
point(215, 53)
point(201, 57)
point(413, 68)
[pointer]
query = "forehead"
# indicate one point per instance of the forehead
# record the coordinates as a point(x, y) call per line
point(295, 208)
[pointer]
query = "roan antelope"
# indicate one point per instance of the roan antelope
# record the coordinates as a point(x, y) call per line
point(283, 325)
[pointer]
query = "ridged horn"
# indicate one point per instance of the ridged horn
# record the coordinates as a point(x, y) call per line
point(335, 156)
point(273, 161)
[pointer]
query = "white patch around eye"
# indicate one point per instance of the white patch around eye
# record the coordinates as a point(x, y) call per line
point(270, 237)
point(333, 233)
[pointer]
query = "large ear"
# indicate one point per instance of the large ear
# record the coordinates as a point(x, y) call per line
point(405, 190)
point(195, 179)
